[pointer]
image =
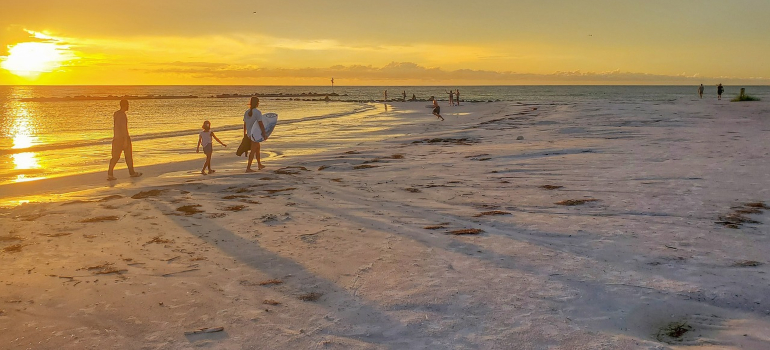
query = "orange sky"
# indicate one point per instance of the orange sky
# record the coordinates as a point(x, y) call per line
point(298, 42)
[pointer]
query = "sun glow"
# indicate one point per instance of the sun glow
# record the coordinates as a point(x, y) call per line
point(30, 59)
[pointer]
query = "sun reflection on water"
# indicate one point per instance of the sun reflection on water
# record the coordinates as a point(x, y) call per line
point(23, 134)
point(21, 140)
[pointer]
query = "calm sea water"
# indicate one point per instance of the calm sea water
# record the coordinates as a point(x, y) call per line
point(47, 139)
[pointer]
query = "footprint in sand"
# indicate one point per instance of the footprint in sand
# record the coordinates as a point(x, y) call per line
point(148, 194)
point(291, 170)
point(101, 219)
point(190, 209)
point(491, 213)
point(573, 202)
point(235, 208)
point(365, 166)
point(14, 248)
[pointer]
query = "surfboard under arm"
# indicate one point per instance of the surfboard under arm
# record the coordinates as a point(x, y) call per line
point(269, 120)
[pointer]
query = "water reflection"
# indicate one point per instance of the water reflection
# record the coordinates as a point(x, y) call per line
point(26, 160)
point(23, 133)
point(22, 140)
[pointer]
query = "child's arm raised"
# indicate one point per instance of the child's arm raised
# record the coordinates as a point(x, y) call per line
point(198, 148)
point(216, 138)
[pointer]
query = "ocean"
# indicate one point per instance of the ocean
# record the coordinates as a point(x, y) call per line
point(52, 131)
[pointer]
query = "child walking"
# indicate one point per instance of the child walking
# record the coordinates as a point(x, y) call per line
point(437, 110)
point(204, 138)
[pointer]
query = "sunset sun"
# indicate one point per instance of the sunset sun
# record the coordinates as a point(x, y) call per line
point(30, 59)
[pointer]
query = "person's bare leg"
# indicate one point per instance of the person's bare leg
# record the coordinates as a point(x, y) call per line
point(208, 162)
point(113, 161)
point(254, 148)
point(111, 171)
point(128, 152)
point(259, 157)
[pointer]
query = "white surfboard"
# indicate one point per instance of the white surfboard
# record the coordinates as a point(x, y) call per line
point(270, 120)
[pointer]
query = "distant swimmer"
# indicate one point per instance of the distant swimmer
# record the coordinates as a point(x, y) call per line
point(437, 110)
point(205, 139)
point(700, 90)
point(121, 142)
point(720, 90)
point(250, 117)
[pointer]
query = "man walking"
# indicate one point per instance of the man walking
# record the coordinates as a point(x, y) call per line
point(121, 142)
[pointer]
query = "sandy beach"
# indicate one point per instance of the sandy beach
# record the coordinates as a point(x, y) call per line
point(583, 225)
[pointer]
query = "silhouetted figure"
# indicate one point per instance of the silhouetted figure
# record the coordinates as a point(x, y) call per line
point(414, 98)
point(437, 110)
point(386, 95)
point(404, 95)
point(121, 142)
point(451, 97)
point(720, 90)
point(700, 90)
point(457, 96)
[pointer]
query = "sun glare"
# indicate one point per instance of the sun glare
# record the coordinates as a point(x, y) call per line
point(30, 59)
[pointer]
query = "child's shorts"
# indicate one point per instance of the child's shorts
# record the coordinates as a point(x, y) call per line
point(207, 149)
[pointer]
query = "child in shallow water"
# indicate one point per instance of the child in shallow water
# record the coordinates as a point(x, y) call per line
point(205, 139)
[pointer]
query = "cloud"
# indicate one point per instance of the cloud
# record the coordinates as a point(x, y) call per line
point(15, 34)
point(413, 73)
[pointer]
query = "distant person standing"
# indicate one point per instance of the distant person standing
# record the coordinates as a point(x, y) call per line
point(404, 95)
point(451, 97)
point(720, 90)
point(457, 96)
point(121, 142)
point(437, 110)
point(386, 95)
point(700, 91)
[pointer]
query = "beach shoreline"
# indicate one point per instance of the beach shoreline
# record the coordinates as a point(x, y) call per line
point(568, 226)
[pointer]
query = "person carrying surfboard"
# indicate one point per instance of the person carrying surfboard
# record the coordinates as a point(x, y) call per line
point(250, 117)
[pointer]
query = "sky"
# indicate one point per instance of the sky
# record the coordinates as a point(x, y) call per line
point(396, 42)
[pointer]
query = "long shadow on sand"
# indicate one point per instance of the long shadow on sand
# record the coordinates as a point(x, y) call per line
point(730, 299)
point(378, 328)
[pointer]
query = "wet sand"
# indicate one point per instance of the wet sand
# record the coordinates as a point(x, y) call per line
point(507, 226)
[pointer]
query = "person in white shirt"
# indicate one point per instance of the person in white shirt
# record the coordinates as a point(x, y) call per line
point(250, 117)
point(204, 139)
